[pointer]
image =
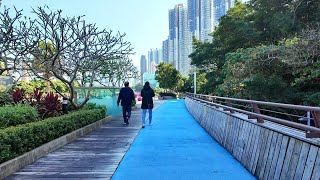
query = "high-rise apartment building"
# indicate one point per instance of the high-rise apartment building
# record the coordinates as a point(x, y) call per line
point(143, 65)
point(198, 19)
point(194, 17)
point(179, 38)
point(204, 16)
point(220, 9)
point(150, 60)
point(165, 51)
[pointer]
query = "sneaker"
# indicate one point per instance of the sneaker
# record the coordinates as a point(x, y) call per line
point(143, 126)
point(150, 124)
point(124, 123)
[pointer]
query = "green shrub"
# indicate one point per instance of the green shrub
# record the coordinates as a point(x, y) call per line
point(89, 106)
point(19, 114)
point(15, 141)
point(5, 98)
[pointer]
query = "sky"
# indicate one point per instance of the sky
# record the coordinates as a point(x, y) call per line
point(144, 21)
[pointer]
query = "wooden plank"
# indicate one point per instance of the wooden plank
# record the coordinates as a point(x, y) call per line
point(229, 134)
point(249, 146)
point(294, 159)
point(266, 154)
point(240, 145)
point(282, 155)
point(256, 149)
point(245, 141)
point(316, 168)
point(261, 148)
point(237, 137)
point(271, 154)
point(263, 153)
point(275, 158)
point(310, 162)
point(287, 159)
point(302, 161)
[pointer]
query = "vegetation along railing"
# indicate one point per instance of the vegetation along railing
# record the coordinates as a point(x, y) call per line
point(306, 118)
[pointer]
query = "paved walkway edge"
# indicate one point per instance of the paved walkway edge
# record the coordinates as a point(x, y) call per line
point(14, 165)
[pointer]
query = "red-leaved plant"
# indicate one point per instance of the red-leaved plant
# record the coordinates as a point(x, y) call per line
point(37, 95)
point(18, 96)
point(50, 106)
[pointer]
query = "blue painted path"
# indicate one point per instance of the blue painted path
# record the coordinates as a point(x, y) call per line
point(177, 147)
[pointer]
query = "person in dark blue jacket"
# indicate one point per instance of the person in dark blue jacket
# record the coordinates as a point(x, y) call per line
point(126, 96)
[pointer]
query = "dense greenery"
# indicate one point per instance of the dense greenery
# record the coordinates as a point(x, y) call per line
point(41, 85)
point(5, 99)
point(264, 50)
point(15, 141)
point(14, 115)
point(168, 77)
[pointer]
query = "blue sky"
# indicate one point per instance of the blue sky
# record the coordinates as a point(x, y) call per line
point(144, 21)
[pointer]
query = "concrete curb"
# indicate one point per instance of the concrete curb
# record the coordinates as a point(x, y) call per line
point(12, 166)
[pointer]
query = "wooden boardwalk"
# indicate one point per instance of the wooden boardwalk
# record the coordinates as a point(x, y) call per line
point(93, 156)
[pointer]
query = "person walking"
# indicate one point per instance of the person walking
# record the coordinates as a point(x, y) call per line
point(126, 96)
point(147, 95)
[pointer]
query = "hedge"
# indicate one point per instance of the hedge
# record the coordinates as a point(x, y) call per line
point(15, 141)
point(19, 114)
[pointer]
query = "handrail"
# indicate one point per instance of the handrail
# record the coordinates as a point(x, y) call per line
point(312, 132)
point(289, 106)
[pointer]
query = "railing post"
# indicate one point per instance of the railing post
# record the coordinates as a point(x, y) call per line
point(316, 120)
point(256, 110)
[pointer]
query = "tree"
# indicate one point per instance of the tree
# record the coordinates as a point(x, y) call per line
point(14, 43)
point(116, 71)
point(167, 76)
point(80, 50)
point(43, 50)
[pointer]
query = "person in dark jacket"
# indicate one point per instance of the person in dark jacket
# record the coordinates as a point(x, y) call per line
point(147, 95)
point(126, 96)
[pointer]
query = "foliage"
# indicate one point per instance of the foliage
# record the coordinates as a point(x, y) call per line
point(18, 96)
point(40, 85)
point(5, 99)
point(2, 88)
point(50, 106)
point(265, 50)
point(19, 114)
point(91, 106)
point(47, 106)
point(117, 71)
point(72, 51)
point(15, 141)
point(167, 76)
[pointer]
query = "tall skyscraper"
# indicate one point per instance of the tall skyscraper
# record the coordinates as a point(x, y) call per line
point(155, 54)
point(165, 51)
point(220, 9)
point(150, 60)
point(172, 35)
point(194, 17)
point(179, 38)
point(143, 65)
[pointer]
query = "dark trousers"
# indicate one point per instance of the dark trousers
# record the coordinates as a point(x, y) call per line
point(126, 112)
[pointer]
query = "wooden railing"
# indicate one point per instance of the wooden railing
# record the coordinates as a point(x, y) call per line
point(275, 112)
